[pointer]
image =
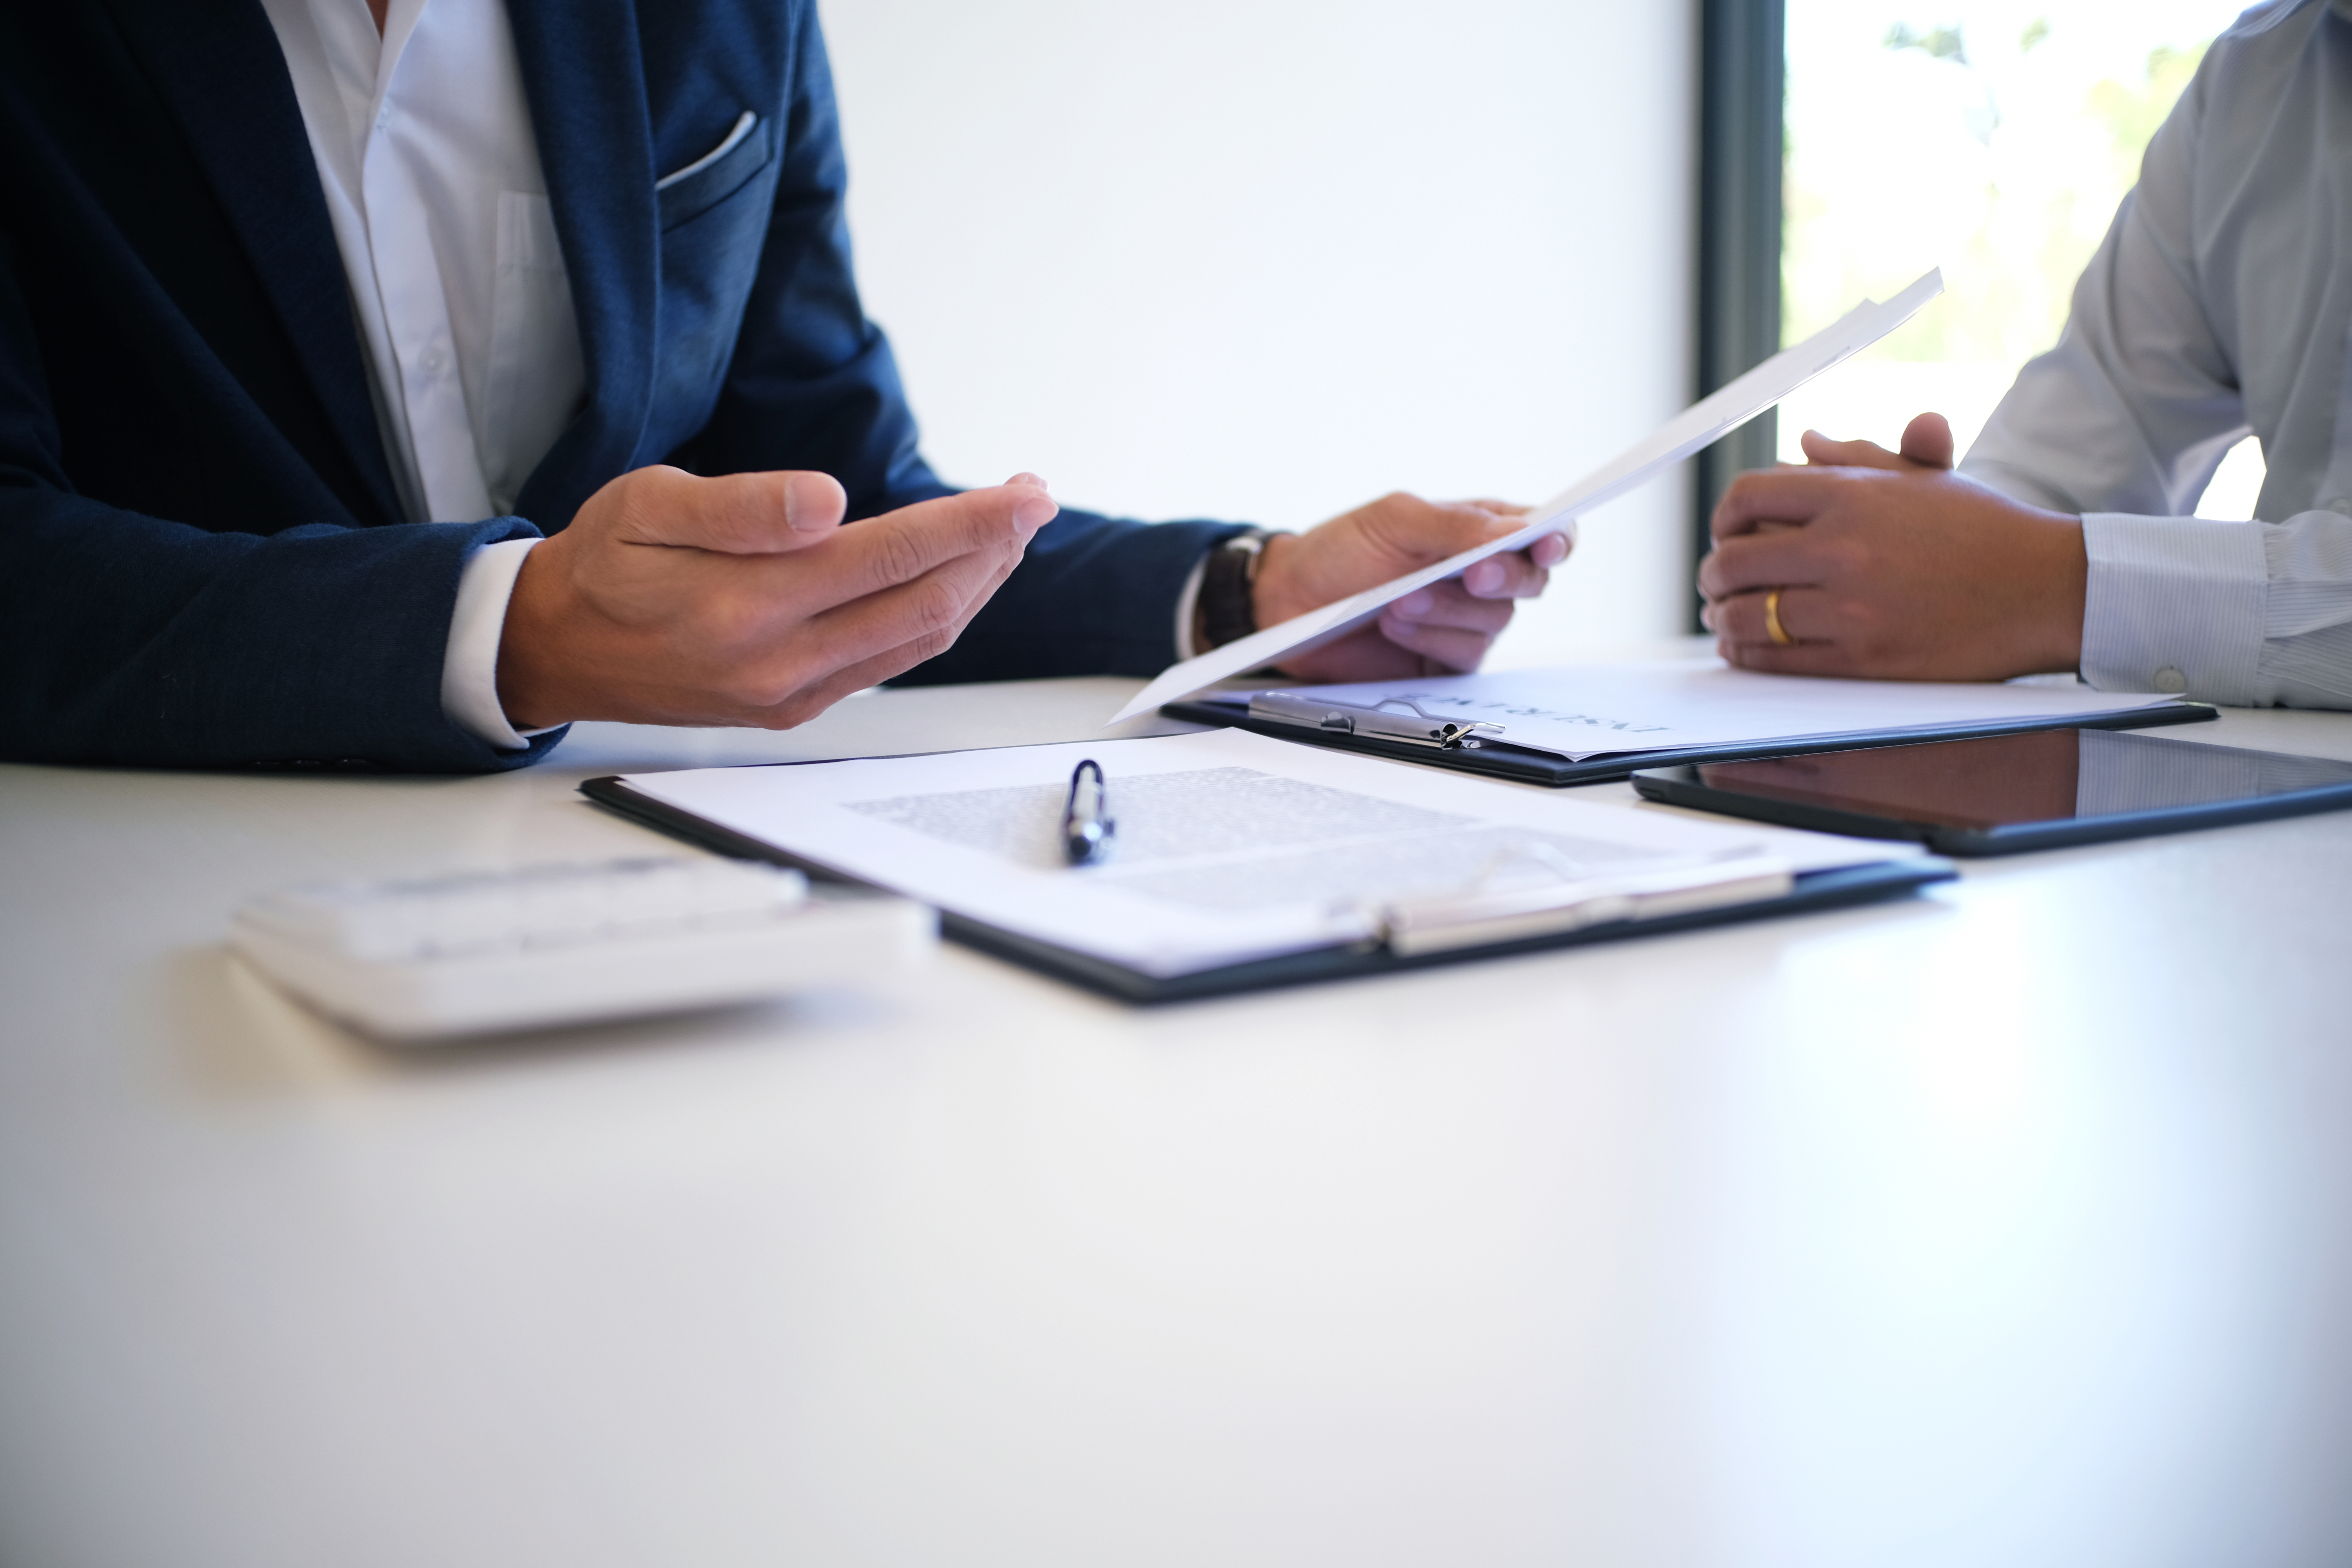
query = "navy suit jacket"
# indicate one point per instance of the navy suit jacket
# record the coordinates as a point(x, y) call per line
point(202, 561)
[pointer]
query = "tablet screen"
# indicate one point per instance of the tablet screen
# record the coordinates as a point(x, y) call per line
point(2050, 776)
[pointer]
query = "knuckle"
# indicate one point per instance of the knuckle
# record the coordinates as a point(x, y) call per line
point(896, 557)
point(934, 608)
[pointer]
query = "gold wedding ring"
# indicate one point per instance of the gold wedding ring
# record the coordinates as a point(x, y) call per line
point(1772, 620)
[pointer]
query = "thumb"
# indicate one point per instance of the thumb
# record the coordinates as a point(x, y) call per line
point(1927, 441)
point(732, 514)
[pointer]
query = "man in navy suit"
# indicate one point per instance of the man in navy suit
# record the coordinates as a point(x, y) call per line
point(228, 451)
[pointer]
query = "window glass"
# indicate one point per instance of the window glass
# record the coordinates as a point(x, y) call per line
point(1993, 140)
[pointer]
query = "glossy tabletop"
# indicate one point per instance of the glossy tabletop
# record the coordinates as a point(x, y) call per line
point(2007, 1224)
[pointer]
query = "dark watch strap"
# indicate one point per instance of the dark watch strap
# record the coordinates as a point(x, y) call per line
point(1228, 613)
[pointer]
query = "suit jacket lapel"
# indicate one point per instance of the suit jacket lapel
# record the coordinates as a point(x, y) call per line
point(584, 76)
point(220, 69)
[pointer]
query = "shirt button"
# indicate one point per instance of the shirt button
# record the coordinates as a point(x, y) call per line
point(384, 117)
point(2341, 504)
point(431, 362)
point(2170, 679)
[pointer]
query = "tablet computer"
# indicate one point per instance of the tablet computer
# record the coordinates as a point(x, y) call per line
point(2008, 793)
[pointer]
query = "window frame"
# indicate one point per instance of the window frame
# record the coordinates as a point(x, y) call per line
point(1742, 148)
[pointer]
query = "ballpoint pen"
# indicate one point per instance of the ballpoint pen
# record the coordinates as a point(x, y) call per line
point(1086, 825)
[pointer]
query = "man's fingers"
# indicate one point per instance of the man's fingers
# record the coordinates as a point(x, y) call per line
point(1778, 495)
point(1447, 623)
point(1822, 452)
point(1448, 606)
point(822, 692)
point(1768, 658)
point(1392, 536)
point(1927, 441)
point(1510, 575)
point(923, 617)
point(1413, 532)
point(1745, 618)
point(910, 580)
point(1927, 444)
point(1520, 574)
point(933, 606)
point(933, 633)
point(733, 514)
point(1449, 645)
point(1783, 559)
point(902, 546)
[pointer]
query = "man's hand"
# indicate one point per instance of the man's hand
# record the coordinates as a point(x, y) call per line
point(1890, 565)
point(740, 600)
point(1437, 630)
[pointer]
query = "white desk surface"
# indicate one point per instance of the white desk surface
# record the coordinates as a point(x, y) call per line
point(2005, 1225)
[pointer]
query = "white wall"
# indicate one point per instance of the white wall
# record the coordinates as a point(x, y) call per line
point(1264, 259)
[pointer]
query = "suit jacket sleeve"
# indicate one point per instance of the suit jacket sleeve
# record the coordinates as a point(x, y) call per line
point(812, 384)
point(130, 638)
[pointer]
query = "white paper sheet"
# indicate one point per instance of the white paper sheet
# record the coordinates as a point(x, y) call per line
point(1587, 710)
point(1229, 846)
point(1702, 424)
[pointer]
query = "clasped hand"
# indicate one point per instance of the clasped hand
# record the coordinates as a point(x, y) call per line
point(740, 600)
point(1888, 564)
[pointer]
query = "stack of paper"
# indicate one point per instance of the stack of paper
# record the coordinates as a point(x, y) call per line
point(1590, 710)
point(1702, 422)
point(1230, 847)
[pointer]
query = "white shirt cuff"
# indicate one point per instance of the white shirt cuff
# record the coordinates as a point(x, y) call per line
point(469, 668)
point(2174, 603)
point(1186, 602)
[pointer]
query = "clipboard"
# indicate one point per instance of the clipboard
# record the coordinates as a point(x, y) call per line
point(1438, 743)
point(1826, 890)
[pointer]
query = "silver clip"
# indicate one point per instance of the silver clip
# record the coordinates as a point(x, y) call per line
point(1423, 728)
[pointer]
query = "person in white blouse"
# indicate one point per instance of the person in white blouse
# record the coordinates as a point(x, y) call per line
point(2218, 303)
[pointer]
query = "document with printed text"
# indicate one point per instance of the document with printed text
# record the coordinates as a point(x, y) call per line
point(1230, 846)
point(1700, 424)
point(1588, 710)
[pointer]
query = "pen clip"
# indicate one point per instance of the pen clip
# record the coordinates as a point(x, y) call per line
point(1423, 728)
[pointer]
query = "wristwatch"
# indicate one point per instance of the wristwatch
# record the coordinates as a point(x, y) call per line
point(1225, 611)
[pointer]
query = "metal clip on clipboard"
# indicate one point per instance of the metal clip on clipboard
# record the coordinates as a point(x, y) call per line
point(1341, 718)
point(1482, 914)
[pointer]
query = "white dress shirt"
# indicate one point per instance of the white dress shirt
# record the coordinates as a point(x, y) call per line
point(430, 167)
point(2220, 302)
point(431, 172)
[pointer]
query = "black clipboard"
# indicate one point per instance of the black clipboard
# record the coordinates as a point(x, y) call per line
point(1813, 890)
point(1501, 760)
